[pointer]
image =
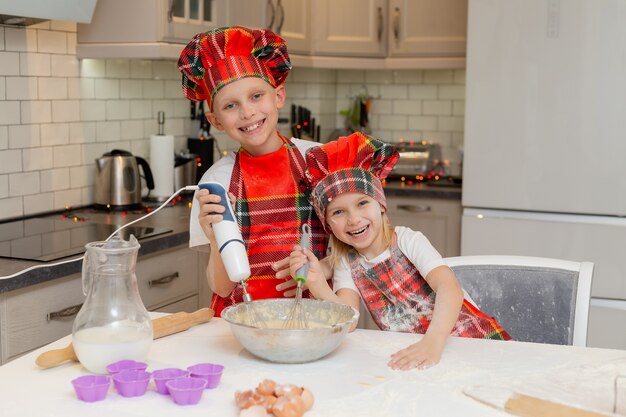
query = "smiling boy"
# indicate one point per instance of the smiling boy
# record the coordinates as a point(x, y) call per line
point(240, 73)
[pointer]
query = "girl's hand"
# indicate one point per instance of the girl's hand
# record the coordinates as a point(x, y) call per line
point(420, 355)
point(315, 279)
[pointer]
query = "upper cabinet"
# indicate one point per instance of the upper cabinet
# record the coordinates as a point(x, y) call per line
point(373, 34)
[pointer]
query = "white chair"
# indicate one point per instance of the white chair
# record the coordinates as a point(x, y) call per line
point(539, 300)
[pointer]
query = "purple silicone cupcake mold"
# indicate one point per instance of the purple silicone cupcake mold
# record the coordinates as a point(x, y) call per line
point(211, 372)
point(131, 383)
point(186, 391)
point(91, 388)
point(161, 376)
point(126, 364)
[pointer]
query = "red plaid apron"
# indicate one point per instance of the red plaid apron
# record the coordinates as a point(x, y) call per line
point(271, 207)
point(401, 300)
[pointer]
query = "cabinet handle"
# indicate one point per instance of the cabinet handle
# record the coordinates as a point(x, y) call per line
point(170, 12)
point(270, 5)
point(396, 24)
point(163, 281)
point(279, 5)
point(380, 24)
point(66, 313)
point(414, 209)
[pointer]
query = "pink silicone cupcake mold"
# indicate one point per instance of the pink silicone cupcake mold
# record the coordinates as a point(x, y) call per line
point(211, 372)
point(131, 383)
point(186, 391)
point(126, 364)
point(91, 388)
point(161, 376)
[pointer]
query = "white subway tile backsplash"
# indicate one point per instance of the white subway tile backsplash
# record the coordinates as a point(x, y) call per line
point(24, 184)
point(20, 39)
point(73, 88)
point(140, 109)
point(24, 136)
point(422, 92)
point(132, 129)
point(51, 88)
point(408, 76)
point(454, 92)
point(108, 131)
point(423, 122)
point(87, 88)
point(395, 91)
point(91, 151)
point(120, 144)
point(1, 39)
point(437, 108)
point(82, 176)
point(153, 89)
point(37, 203)
point(379, 77)
point(392, 122)
point(181, 109)
point(55, 179)
point(131, 89)
point(349, 76)
point(458, 108)
point(67, 198)
point(71, 43)
point(63, 26)
point(107, 89)
point(87, 195)
point(82, 132)
point(450, 124)
point(11, 207)
point(140, 69)
point(4, 137)
point(55, 134)
point(65, 66)
point(118, 109)
point(140, 147)
point(34, 64)
point(459, 76)
point(407, 107)
point(92, 110)
point(9, 112)
point(53, 42)
point(166, 106)
point(36, 159)
point(117, 68)
point(92, 68)
point(21, 88)
point(4, 186)
point(165, 70)
point(438, 76)
point(315, 75)
point(65, 110)
point(173, 89)
point(9, 63)
point(3, 91)
point(66, 156)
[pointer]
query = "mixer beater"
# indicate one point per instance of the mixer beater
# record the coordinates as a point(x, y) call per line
point(296, 319)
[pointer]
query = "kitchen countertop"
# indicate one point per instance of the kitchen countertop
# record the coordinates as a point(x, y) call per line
point(172, 217)
point(354, 380)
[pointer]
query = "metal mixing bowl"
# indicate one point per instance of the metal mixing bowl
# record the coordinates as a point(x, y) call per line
point(270, 341)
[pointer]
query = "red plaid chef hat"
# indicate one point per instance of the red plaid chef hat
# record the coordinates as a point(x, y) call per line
point(355, 163)
point(220, 56)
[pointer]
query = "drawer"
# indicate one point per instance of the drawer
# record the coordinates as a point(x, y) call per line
point(167, 277)
point(40, 314)
point(189, 304)
point(606, 324)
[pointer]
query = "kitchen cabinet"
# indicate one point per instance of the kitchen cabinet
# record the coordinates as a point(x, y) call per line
point(287, 18)
point(147, 28)
point(433, 30)
point(31, 317)
point(438, 218)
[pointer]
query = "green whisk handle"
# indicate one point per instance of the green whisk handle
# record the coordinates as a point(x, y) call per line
point(305, 243)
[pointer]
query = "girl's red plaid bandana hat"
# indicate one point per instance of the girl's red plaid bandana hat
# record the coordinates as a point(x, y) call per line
point(355, 163)
point(220, 56)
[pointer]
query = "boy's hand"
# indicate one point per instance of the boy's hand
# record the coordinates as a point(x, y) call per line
point(420, 355)
point(210, 210)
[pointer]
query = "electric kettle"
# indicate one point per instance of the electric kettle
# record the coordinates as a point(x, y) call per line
point(118, 183)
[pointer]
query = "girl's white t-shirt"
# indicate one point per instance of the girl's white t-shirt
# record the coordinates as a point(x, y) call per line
point(414, 245)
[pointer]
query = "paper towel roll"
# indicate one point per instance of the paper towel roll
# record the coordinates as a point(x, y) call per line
point(162, 165)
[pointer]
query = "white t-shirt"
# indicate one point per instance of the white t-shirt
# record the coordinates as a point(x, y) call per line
point(414, 245)
point(221, 172)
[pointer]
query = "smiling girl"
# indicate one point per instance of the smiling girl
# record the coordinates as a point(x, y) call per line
point(401, 278)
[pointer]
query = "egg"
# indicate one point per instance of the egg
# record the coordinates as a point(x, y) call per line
point(266, 387)
point(289, 405)
point(285, 389)
point(246, 399)
point(307, 398)
point(254, 411)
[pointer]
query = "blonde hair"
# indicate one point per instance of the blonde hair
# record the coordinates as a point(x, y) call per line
point(340, 249)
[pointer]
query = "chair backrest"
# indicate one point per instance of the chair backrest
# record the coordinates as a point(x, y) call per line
point(539, 300)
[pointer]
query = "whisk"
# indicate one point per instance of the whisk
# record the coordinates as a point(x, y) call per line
point(296, 318)
point(252, 318)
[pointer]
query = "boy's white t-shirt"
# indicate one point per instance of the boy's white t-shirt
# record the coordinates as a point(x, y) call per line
point(414, 245)
point(221, 172)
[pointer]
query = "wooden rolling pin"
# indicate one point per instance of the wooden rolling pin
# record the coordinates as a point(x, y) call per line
point(526, 406)
point(163, 326)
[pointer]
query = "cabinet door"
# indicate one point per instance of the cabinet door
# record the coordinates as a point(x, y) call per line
point(292, 23)
point(349, 27)
point(436, 28)
point(186, 18)
point(438, 219)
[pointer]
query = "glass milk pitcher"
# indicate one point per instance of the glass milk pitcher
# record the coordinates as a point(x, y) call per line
point(113, 324)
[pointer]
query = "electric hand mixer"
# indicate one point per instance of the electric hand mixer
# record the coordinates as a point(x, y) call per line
point(232, 249)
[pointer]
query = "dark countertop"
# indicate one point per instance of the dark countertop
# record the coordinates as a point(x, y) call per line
point(172, 217)
point(175, 218)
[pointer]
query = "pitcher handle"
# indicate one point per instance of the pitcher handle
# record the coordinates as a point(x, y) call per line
point(86, 274)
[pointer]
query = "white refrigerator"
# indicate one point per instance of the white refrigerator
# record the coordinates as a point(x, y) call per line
point(544, 172)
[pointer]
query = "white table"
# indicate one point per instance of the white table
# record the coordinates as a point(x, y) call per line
point(352, 381)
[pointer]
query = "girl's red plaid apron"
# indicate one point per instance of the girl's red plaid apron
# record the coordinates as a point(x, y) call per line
point(401, 300)
point(272, 205)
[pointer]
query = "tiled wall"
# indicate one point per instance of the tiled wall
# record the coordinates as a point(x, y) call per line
point(57, 114)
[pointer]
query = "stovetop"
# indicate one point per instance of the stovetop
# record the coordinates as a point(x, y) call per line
point(54, 236)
